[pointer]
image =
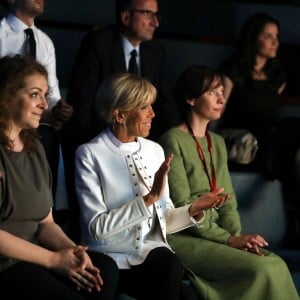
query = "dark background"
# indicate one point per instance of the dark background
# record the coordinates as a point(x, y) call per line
point(194, 31)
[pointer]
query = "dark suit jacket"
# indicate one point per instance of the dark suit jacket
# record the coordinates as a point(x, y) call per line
point(100, 55)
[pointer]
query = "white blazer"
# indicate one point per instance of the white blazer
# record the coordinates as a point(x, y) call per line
point(110, 199)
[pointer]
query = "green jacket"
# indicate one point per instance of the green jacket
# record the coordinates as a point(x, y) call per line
point(188, 179)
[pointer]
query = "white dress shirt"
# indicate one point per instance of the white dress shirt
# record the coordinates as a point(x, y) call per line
point(13, 41)
point(127, 48)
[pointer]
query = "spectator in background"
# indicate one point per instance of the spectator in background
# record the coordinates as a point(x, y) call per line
point(37, 259)
point(107, 51)
point(254, 81)
point(14, 40)
point(124, 198)
point(224, 263)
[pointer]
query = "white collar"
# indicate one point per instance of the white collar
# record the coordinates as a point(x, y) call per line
point(131, 147)
point(127, 46)
point(16, 24)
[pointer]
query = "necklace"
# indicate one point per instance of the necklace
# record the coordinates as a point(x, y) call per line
point(211, 178)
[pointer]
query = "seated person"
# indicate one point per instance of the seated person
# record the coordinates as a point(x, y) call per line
point(106, 51)
point(20, 35)
point(253, 83)
point(224, 263)
point(121, 182)
point(37, 259)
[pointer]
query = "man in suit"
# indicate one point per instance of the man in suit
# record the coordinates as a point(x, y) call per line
point(107, 51)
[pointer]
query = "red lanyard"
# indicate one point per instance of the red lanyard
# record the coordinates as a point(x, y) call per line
point(212, 179)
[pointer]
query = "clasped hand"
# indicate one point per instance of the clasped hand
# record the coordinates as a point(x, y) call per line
point(75, 264)
point(214, 199)
point(248, 242)
point(61, 113)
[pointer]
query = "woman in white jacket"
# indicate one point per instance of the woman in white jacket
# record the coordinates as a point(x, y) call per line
point(121, 183)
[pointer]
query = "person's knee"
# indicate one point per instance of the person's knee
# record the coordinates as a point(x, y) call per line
point(108, 268)
point(268, 266)
point(171, 264)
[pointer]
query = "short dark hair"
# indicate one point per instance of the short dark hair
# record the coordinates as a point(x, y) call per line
point(192, 83)
point(122, 5)
point(5, 4)
point(13, 72)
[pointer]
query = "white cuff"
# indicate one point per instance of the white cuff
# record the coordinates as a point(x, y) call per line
point(197, 222)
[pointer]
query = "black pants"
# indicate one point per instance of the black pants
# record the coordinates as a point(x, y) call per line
point(28, 281)
point(159, 277)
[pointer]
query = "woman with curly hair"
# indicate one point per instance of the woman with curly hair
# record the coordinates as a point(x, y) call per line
point(37, 259)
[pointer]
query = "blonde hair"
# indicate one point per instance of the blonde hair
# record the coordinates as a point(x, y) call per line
point(125, 92)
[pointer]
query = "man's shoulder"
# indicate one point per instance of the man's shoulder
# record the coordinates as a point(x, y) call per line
point(110, 32)
point(43, 35)
point(3, 22)
point(153, 45)
point(4, 25)
point(101, 38)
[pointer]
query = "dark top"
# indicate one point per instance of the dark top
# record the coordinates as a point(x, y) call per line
point(25, 194)
point(253, 104)
point(100, 55)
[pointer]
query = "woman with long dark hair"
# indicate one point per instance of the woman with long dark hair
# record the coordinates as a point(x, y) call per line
point(253, 83)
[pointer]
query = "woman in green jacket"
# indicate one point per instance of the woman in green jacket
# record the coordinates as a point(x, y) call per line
point(223, 263)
